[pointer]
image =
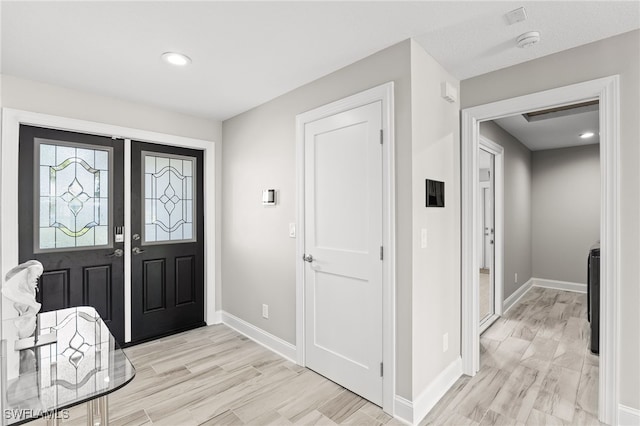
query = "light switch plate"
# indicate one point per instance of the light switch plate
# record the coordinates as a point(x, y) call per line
point(292, 230)
point(423, 238)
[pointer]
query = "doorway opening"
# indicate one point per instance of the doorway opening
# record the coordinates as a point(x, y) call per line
point(553, 201)
point(606, 91)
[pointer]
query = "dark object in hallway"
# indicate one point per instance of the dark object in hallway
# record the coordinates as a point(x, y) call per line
point(593, 297)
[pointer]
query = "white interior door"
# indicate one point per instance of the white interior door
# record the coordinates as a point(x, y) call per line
point(343, 239)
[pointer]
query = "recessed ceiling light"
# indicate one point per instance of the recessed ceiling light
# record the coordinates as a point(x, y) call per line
point(586, 135)
point(176, 58)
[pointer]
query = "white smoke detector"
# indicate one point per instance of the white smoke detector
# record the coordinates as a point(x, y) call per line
point(528, 39)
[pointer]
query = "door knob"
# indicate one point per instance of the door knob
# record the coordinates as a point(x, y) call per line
point(307, 258)
point(137, 250)
point(116, 253)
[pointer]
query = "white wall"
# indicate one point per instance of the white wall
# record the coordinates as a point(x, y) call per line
point(565, 211)
point(616, 55)
point(258, 264)
point(436, 268)
point(517, 207)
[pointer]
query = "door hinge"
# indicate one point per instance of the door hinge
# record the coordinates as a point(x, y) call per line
point(381, 136)
point(381, 370)
point(381, 253)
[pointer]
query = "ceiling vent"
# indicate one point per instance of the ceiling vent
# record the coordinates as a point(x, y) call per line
point(528, 39)
point(517, 15)
point(562, 111)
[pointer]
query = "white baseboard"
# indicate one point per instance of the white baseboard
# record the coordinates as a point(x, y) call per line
point(403, 410)
point(560, 285)
point(517, 295)
point(268, 340)
point(628, 416)
point(215, 319)
point(413, 412)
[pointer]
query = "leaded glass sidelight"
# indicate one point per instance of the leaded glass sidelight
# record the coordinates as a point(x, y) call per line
point(72, 200)
point(169, 198)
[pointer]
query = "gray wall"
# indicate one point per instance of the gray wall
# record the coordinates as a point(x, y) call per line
point(258, 261)
point(258, 256)
point(616, 55)
point(566, 211)
point(517, 206)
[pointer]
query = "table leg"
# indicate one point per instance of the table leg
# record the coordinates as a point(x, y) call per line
point(98, 411)
point(54, 420)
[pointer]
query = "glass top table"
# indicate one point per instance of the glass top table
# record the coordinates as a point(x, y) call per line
point(55, 360)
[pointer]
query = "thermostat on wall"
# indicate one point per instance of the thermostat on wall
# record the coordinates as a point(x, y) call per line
point(269, 197)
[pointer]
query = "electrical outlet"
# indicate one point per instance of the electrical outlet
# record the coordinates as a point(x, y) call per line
point(292, 230)
point(265, 311)
point(445, 342)
point(423, 238)
point(516, 278)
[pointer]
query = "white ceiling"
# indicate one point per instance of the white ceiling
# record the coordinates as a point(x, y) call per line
point(552, 133)
point(246, 53)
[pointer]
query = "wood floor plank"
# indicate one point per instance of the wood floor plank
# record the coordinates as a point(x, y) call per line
point(226, 418)
point(310, 399)
point(587, 399)
point(491, 418)
point(518, 394)
point(375, 413)
point(481, 396)
point(558, 393)
point(342, 406)
point(538, 418)
point(315, 417)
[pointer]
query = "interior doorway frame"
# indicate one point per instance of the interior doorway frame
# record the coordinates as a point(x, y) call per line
point(11, 121)
point(383, 93)
point(607, 91)
point(498, 226)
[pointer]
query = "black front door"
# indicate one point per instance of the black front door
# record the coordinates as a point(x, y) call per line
point(71, 204)
point(167, 228)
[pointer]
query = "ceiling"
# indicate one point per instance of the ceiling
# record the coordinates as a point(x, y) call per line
point(552, 133)
point(247, 53)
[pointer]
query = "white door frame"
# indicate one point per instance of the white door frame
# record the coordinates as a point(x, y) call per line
point(498, 227)
point(607, 91)
point(382, 93)
point(11, 121)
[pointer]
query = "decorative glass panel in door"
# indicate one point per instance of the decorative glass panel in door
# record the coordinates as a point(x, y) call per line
point(73, 183)
point(71, 206)
point(169, 198)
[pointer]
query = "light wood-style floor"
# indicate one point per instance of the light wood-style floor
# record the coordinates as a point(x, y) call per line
point(215, 376)
point(535, 370)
